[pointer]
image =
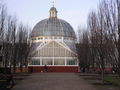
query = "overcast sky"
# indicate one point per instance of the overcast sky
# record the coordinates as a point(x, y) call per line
point(32, 11)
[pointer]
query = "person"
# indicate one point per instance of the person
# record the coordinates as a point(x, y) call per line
point(45, 68)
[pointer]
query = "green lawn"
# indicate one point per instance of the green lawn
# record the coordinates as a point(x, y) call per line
point(113, 80)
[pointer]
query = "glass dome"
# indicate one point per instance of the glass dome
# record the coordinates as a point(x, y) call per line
point(53, 27)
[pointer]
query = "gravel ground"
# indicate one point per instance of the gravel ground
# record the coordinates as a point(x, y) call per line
point(54, 81)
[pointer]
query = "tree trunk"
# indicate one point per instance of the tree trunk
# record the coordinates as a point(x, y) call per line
point(102, 76)
point(118, 5)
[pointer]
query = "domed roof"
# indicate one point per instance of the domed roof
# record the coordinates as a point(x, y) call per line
point(53, 27)
point(53, 8)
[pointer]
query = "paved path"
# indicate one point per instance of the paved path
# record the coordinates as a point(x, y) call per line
point(53, 81)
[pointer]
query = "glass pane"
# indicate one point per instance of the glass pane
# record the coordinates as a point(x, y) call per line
point(71, 62)
point(59, 62)
point(46, 61)
point(36, 62)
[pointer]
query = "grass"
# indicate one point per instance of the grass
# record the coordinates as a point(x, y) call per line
point(113, 80)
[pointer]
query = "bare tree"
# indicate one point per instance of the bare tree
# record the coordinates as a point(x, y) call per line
point(100, 36)
point(23, 45)
point(83, 49)
point(92, 26)
point(118, 11)
point(14, 39)
point(3, 15)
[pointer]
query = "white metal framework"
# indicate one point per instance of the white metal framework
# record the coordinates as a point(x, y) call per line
point(53, 43)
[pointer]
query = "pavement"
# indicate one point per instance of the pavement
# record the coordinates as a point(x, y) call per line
point(54, 81)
